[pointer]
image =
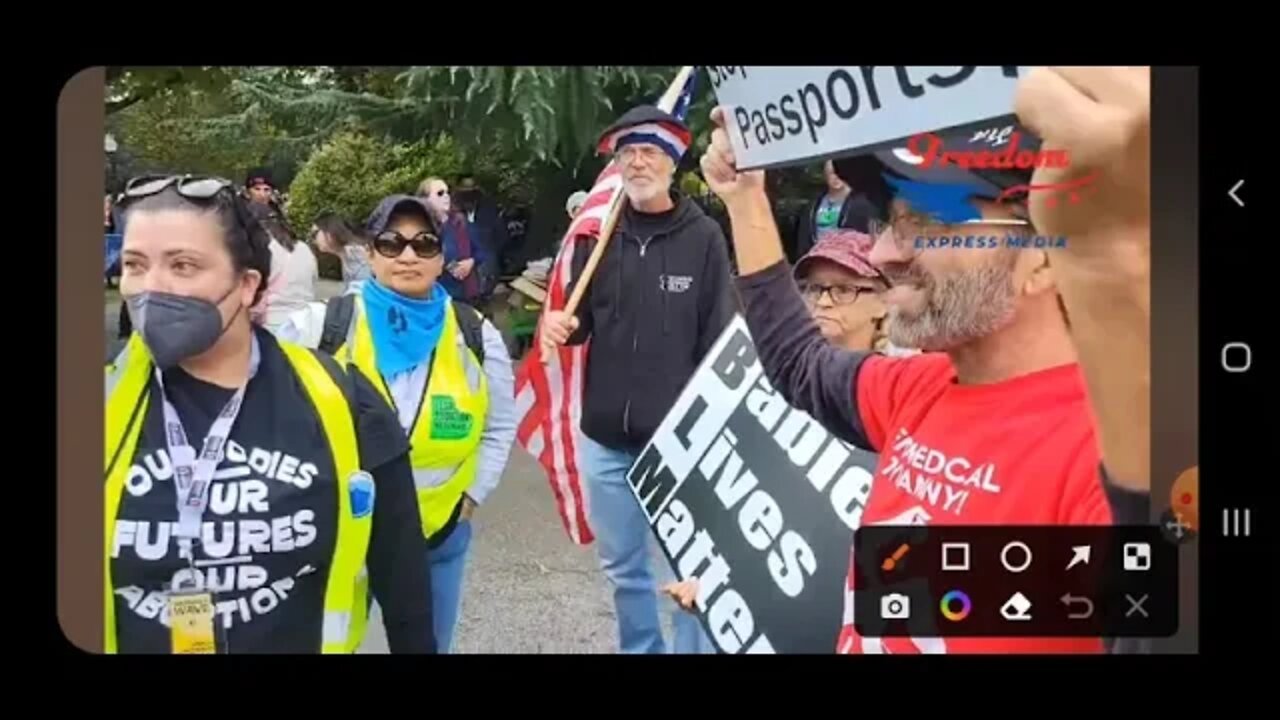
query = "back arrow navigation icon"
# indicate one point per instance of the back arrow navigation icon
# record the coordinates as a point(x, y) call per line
point(1235, 189)
point(1084, 614)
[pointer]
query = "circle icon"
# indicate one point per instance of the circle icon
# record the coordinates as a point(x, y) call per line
point(949, 603)
point(1007, 558)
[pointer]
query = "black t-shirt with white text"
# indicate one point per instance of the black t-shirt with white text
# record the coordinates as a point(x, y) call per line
point(268, 532)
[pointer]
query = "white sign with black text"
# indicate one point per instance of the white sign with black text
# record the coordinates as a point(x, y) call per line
point(790, 114)
point(757, 501)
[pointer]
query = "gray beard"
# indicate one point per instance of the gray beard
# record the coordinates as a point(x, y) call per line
point(657, 189)
point(959, 308)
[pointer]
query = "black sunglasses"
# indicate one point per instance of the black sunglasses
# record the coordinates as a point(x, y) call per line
point(391, 244)
point(195, 187)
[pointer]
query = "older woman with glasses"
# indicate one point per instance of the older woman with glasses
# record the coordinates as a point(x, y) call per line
point(445, 370)
point(241, 511)
point(464, 259)
point(842, 289)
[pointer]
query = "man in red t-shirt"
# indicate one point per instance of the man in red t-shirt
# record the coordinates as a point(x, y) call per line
point(1003, 418)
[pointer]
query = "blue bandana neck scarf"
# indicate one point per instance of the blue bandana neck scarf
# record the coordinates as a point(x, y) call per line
point(405, 330)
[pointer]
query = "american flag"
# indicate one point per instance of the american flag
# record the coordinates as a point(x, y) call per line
point(549, 395)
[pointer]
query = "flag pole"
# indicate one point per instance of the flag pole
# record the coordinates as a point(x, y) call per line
point(666, 103)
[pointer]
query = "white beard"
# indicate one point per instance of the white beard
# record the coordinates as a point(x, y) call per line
point(638, 193)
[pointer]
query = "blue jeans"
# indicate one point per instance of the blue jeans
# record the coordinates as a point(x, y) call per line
point(626, 547)
point(447, 563)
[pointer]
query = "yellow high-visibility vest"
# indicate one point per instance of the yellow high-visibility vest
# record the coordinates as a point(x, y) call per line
point(345, 597)
point(445, 437)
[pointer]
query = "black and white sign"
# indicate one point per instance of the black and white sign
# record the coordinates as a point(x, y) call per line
point(790, 114)
point(756, 500)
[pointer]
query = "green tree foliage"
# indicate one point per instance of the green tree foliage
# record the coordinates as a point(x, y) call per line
point(169, 132)
point(350, 173)
point(127, 87)
point(528, 133)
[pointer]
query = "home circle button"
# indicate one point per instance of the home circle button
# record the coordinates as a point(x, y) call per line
point(1237, 357)
point(1015, 557)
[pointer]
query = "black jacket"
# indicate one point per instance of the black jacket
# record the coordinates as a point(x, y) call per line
point(855, 214)
point(660, 297)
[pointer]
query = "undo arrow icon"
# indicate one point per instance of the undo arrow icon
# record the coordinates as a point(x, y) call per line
point(1081, 555)
point(1084, 613)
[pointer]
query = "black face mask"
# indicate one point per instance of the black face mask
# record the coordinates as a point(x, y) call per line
point(468, 198)
point(176, 327)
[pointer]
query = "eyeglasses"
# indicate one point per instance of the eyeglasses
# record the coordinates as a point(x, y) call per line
point(195, 187)
point(908, 226)
point(647, 153)
point(840, 294)
point(391, 244)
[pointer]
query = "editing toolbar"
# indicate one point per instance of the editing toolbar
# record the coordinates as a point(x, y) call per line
point(1033, 581)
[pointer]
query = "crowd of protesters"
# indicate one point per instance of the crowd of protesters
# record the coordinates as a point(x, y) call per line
point(856, 326)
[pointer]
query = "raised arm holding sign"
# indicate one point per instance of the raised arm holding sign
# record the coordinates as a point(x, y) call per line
point(1000, 353)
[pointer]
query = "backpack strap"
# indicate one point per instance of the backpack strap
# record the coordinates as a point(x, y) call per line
point(471, 323)
point(337, 321)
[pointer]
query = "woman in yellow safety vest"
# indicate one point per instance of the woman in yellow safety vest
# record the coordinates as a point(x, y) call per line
point(255, 491)
point(445, 370)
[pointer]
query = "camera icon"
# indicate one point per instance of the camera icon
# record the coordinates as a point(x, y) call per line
point(895, 606)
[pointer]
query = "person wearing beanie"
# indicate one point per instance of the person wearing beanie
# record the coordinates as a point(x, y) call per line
point(660, 297)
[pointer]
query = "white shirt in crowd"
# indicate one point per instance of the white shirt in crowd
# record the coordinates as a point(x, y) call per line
point(292, 285)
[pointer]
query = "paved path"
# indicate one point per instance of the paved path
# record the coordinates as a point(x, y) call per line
point(528, 589)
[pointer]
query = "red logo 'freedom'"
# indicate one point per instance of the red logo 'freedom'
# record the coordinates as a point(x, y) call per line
point(1010, 157)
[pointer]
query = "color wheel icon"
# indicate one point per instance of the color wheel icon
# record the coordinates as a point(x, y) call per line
point(955, 606)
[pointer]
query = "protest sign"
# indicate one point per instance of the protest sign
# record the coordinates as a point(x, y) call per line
point(756, 500)
point(786, 115)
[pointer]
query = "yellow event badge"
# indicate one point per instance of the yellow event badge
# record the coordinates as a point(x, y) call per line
point(191, 623)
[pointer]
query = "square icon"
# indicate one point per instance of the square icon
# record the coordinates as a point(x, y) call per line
point(955, 556)
point(1137, 557)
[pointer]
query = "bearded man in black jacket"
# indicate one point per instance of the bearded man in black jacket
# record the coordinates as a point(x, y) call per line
point(659, 299)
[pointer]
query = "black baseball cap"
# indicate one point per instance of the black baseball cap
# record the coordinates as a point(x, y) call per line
point(381, 215)
point(259, 176)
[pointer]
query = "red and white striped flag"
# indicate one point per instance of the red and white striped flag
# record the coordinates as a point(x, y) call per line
point(549, 395)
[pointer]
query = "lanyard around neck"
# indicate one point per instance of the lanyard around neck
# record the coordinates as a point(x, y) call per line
point(191, 475)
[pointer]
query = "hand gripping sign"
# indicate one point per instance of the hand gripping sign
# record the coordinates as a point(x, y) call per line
point(791, 115)
point(755, 500)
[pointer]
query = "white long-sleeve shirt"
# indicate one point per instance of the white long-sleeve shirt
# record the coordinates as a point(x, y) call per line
point(499, 432)
point(292, 284)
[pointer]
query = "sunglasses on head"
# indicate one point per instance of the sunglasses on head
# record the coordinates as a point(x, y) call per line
point(195, 187)
point(390, 244)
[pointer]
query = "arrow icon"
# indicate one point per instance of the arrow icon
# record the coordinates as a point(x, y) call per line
point(1232, 193)
point(1080, 555)
point(1084, 614)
